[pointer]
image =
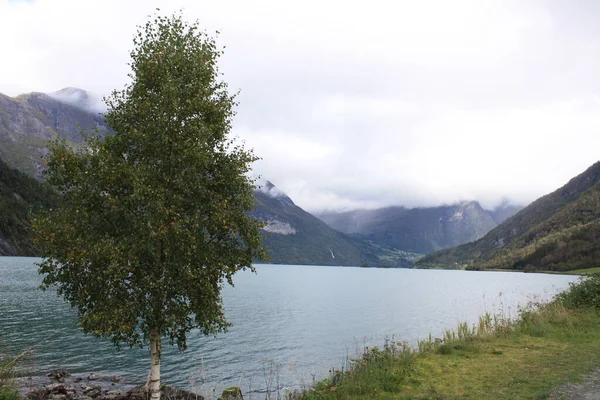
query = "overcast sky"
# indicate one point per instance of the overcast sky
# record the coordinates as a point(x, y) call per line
point(366, 103)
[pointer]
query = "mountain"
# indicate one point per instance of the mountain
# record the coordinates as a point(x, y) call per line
point(392, 237)
point(19, 194)
point(29, 121)
point(503, 211)
point(559, 231)
point(419, 230)
point(293, 236)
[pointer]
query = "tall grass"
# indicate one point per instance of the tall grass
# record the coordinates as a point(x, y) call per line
point(376, 370)
point(385, 372)
point(7, 366)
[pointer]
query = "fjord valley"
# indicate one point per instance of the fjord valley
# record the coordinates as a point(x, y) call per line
point(557, 232)
point(299, 200)
point(391, 237)
point(421, 229)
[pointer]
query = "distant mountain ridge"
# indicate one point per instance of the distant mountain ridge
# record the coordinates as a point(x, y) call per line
point(293, 236)
point(29, 121)
point(559, 231)
point(394, 237)
point(420, 230)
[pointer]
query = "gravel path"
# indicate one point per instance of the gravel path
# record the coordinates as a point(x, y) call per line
point(588, 389)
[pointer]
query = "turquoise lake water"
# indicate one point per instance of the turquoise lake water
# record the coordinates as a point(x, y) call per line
point(291, 324)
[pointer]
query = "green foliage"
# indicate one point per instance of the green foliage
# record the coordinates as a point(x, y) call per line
point(377, 371)
point(19, 194)
point(582, 294)
point(153, 219)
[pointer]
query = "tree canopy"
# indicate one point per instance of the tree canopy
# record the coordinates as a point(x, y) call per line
point(153, 219)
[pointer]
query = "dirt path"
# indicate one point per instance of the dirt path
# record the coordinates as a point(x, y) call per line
point(588, 389)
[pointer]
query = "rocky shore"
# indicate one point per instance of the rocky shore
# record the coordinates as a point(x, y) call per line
point(61, 385)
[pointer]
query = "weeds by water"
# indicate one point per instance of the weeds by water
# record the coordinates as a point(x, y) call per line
point(496, 358)
point(7, 367)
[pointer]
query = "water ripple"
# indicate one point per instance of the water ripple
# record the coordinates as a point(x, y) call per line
point(290, 323)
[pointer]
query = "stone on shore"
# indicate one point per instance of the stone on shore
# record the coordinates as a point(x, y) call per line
point(232, 393)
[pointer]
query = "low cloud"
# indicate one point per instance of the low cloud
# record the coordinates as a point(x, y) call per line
point(354, 105)
point(80, 98)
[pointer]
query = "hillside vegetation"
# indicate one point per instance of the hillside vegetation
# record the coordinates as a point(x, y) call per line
point(558, 232)
point(19, 194)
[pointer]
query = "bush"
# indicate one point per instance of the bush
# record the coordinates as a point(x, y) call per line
point(582, 294)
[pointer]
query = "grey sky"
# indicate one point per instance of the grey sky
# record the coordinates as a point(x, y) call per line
point(362, 104)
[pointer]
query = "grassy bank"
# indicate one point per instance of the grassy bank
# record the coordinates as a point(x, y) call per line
point(7, 364)
point(549, 345)
point(585, 271)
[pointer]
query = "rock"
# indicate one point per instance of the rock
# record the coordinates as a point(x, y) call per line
point(138, 393)
point(178, 394)
point(92, 391)
point(111, 395)
point(232, 393)
point(93, 377)
point(36, 394)
point(57, 396)
point(56, 388)
point(59, 375)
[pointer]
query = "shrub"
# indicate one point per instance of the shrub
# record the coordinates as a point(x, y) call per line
point(582, 294)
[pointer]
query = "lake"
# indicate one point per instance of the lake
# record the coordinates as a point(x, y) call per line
point(291, 324)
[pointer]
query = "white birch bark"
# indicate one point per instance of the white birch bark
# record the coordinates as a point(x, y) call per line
point(155, 350)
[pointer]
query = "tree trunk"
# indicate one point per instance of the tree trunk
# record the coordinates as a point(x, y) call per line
point(155, 349)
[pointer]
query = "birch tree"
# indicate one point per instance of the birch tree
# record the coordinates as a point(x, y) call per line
point(152, 220)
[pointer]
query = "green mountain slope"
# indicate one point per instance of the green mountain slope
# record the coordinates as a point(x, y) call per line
point(293, 236)
point(559, 231)
point(19, 194)
point(29, 121)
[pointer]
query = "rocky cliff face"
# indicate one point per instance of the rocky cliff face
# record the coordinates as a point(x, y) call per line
point(293, 236)
point(420, 230)
point(29, 121)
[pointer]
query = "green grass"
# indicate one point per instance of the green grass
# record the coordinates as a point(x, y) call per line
point(7, 365)
point(583, 271)
point(549, 345)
